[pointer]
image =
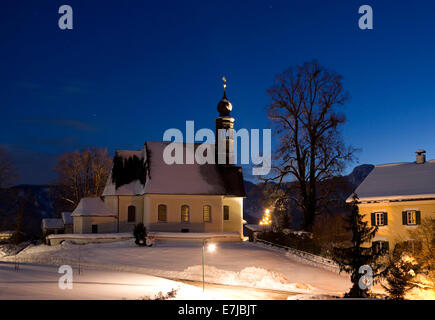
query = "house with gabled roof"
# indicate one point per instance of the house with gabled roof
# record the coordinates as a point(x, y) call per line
point(396, 197)
point(179, 197)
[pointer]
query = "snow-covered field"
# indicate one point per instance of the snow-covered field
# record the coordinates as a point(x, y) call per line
point(41, 282)
point(241, 264)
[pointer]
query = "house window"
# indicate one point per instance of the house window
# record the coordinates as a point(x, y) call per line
point(411, 217)
point(95, 228)
point(131, 214)
point(379, 218)
point(226, 213)
point(185, 213)
point(162, 210)
point(378, 246)
point(206, 212)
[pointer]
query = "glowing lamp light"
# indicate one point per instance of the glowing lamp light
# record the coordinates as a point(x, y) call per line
point(211, 247)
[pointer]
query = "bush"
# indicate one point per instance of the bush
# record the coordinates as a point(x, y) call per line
point(400, 275)
point(140, 234)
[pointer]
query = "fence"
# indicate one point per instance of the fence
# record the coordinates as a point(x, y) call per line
point(303, 256)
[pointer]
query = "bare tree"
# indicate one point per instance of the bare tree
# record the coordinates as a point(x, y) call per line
point(82, 174)
point(7, 170)
point(303, 108)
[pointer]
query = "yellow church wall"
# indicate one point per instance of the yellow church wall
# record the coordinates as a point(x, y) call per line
point(147, 212)
point(174, 203)
point(124, 202)
point(235, 222)
point(395, 231)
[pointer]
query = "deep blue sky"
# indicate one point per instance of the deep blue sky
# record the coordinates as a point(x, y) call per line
point(132, 69)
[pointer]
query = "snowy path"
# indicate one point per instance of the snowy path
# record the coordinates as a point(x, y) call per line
point(232, 263)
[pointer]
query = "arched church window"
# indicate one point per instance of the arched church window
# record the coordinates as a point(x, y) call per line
point(162, 212)
point(131, 214)
point(206, 212)
point(185, 213)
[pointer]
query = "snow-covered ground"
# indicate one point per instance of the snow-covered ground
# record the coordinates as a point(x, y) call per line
point(242, 264)
point(41, 282)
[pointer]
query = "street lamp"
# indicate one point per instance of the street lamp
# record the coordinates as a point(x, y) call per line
point(211, 247)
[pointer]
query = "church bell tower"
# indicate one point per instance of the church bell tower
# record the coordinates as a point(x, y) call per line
point(224, 152)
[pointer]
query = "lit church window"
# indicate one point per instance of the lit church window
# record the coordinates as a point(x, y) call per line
point(206, 210)
point(185, 213)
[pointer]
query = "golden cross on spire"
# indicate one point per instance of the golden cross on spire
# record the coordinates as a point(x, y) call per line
point(225, 82)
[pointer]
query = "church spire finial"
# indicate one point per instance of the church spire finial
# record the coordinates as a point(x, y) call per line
point(224, 106)
point(224, 84)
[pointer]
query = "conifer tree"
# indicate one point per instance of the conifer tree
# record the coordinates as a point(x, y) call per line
point(351, 259)
point(400, 274)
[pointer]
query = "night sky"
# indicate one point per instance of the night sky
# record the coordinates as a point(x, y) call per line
point(129, 70)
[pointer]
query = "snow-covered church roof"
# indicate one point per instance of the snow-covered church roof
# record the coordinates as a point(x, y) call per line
point(399, 181)
point(92, 207)
point(66, 217)
point(150, 174)
point(50, 223)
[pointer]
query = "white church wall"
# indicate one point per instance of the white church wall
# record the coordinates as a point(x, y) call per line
point(84, 224)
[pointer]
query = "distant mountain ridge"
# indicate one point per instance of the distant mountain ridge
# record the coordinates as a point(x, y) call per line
point(34, 201)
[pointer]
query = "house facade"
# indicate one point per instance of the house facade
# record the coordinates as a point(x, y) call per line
point(179, 197)
point(396, 197)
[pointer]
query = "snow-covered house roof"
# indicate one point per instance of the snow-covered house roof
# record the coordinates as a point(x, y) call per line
point(52, 224)
point(66, 217)
point(154, 176)
point(92, 207)
point(399, 181)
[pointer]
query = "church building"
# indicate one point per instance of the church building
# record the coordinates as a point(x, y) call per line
point(188, 198)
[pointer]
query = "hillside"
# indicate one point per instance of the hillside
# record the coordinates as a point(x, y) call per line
point(32, 202)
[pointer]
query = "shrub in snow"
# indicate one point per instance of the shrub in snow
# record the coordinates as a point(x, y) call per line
point(400, 275)
point(140, 234)
point(160, 296)
point(423, 237)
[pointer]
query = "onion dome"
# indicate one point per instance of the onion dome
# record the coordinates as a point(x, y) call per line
point(224, 106)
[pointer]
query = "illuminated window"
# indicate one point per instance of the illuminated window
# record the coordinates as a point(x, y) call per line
point(226, 213)
point(411, 217)
point(162, 212)
point(185, 213)
point(131, 214)
point(380, 218)
point(206, 212)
